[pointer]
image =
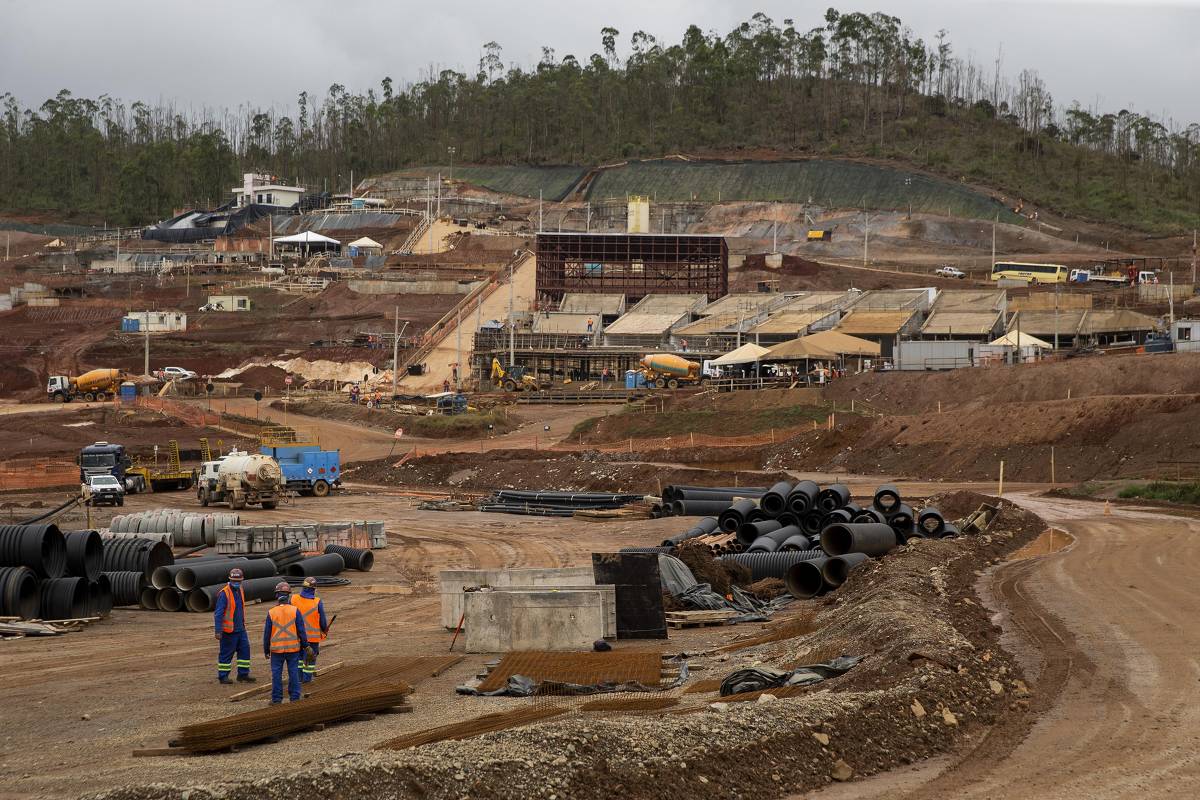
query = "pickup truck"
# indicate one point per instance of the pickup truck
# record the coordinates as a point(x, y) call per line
point(103, 490)
point(176, 374)
point(949, 272)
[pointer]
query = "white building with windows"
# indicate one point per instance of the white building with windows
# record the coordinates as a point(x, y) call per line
point(265, 190)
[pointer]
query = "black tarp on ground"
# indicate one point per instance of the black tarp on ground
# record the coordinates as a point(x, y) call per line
point(638, 592)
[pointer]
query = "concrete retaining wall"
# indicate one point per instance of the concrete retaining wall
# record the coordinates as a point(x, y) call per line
point(453, 581)
point(504, 621)
point(412, 287)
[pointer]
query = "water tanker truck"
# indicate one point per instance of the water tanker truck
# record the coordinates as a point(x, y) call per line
point(665, 370)
point(98, 384)
point(241, 479)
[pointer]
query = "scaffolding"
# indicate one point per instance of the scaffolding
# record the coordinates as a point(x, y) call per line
point(634, 265)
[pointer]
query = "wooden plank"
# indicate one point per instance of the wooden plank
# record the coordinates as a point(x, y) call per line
point(358, 718)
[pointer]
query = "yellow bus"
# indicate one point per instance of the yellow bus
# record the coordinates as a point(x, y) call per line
point(1032, 273)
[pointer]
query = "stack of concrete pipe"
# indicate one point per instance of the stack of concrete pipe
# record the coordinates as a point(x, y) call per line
point(176, 528)
point(46, 574)
point(235, 540)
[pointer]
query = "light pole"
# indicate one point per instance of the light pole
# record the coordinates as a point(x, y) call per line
point(451, 151)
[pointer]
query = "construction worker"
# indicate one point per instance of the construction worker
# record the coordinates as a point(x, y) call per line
point(284, 638)
point(229, 623)
point(316, 626)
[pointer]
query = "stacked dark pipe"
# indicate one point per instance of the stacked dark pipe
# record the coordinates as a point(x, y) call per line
point(45, 574)
point(808, 535)
point(554, 504)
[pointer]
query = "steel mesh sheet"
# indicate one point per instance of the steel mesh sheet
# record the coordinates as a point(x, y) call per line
point(642, 666)
point(409, 670)
point(488, 723)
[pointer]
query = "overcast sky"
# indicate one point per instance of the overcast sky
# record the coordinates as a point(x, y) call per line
point(1139, 55)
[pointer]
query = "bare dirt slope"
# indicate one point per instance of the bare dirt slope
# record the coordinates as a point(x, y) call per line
point(1109, 629)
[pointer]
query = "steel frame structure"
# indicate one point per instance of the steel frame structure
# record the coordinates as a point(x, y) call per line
point(634, 265)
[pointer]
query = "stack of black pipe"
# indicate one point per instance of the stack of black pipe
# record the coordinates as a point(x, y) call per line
point(554, 504)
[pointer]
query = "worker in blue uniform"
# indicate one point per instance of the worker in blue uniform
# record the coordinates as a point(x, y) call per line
point(316, 626)
point(229, 623)
point(284, 639)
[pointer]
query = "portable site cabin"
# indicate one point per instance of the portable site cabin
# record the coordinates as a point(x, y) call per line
point(154, 322)
point(230, 302)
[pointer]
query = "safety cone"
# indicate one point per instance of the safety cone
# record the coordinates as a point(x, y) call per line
point(1107, 509)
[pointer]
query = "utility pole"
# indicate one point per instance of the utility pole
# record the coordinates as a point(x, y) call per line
point(8, 242)
point(395, 351)
point(146, 358)
point(439, 194)
point(994, 221)
point(512, 339)
point(1055, 317)
point(1171, 302)
point(775, 234)
point(451, 151)
point(458, 355)
point(1193, 259)
point(539, 210)
point(866, 234)
point(588, 226)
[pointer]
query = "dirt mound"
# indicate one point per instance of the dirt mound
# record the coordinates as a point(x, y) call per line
point(259, 377)
point(471, 425)
point(720, 575)
point(539, 469)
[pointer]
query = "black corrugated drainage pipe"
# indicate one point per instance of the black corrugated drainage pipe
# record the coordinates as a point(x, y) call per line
point(85, 554)
point(930, 521)
point(833, 497)
point(803, 497)
point(126, 587)
point(770, 565)
point(330, 564)
point(63, 598)
point(837, 515)
point(811, 523)
point(737, 513)
point(788, 518)
point(42, 548)
point(804, 579)
point(211, 573)
point(887, 498)
point(870, 538)
point(361, 560)
point(748, 532)
point(702, 528)
point(794, 543)
point(100, 597)
point(164, 577)
point(141, 555)
point(699, 508)
point(658, 549)
point(870, 515)
point(19, 594)
point(774, 502)
point(836, 568)
point(204, 599)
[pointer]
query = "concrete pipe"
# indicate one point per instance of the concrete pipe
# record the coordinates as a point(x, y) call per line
point(217, 572)
point(700, 508)
point(734, 515)
point(788, 518)
point(100, 597)
point(804, 579)
point(126, 587)
point(870, 515)
point(870, 538)
point(836, 568)
point(887, 499)
point(656, 511)
point(136, 554)
point(329, 564)
point(169, 599)
point(811, 523)
point(833, 497)
point(950, 529)
point(838, 515)
point(902, 521)
point(771, 565)
point(42, 548)
point(361, 560)
point(748, 532)
point(148, 598)
point(853, 508)
point(203, 599)
point(85, 554)
point(702, 528)
point(763, 544)
point(796, 543)
point(19, 593)
point(757, 515)
point(164, 577)
point(930, 522)
point(673, 493)
point(803, 497)
point(63, 598)
point(774, 501)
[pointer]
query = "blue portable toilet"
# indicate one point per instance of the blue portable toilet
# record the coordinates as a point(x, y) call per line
point(128, 392)
point(129, 325)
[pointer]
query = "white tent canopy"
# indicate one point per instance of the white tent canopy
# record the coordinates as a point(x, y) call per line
point(366, 242)
point(746, 354)
point(308, 237)
point(1017, 339)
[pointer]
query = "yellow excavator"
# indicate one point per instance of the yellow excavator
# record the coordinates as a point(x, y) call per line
point(513, 378)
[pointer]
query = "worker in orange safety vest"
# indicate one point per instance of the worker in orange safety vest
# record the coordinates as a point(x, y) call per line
point(284, 638)
point(229, 625)
point(312, 608)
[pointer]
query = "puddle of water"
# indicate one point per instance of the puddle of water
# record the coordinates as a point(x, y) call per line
point(1050, 541)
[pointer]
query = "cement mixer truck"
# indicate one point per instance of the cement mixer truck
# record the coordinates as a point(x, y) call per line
point(664, 370)
point(241, 479)
point(98, 384)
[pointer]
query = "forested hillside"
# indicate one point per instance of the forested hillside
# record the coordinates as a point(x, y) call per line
point(848, 84)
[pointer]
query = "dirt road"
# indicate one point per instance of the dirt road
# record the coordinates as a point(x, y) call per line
point(360, 443)
point(1108, 628)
